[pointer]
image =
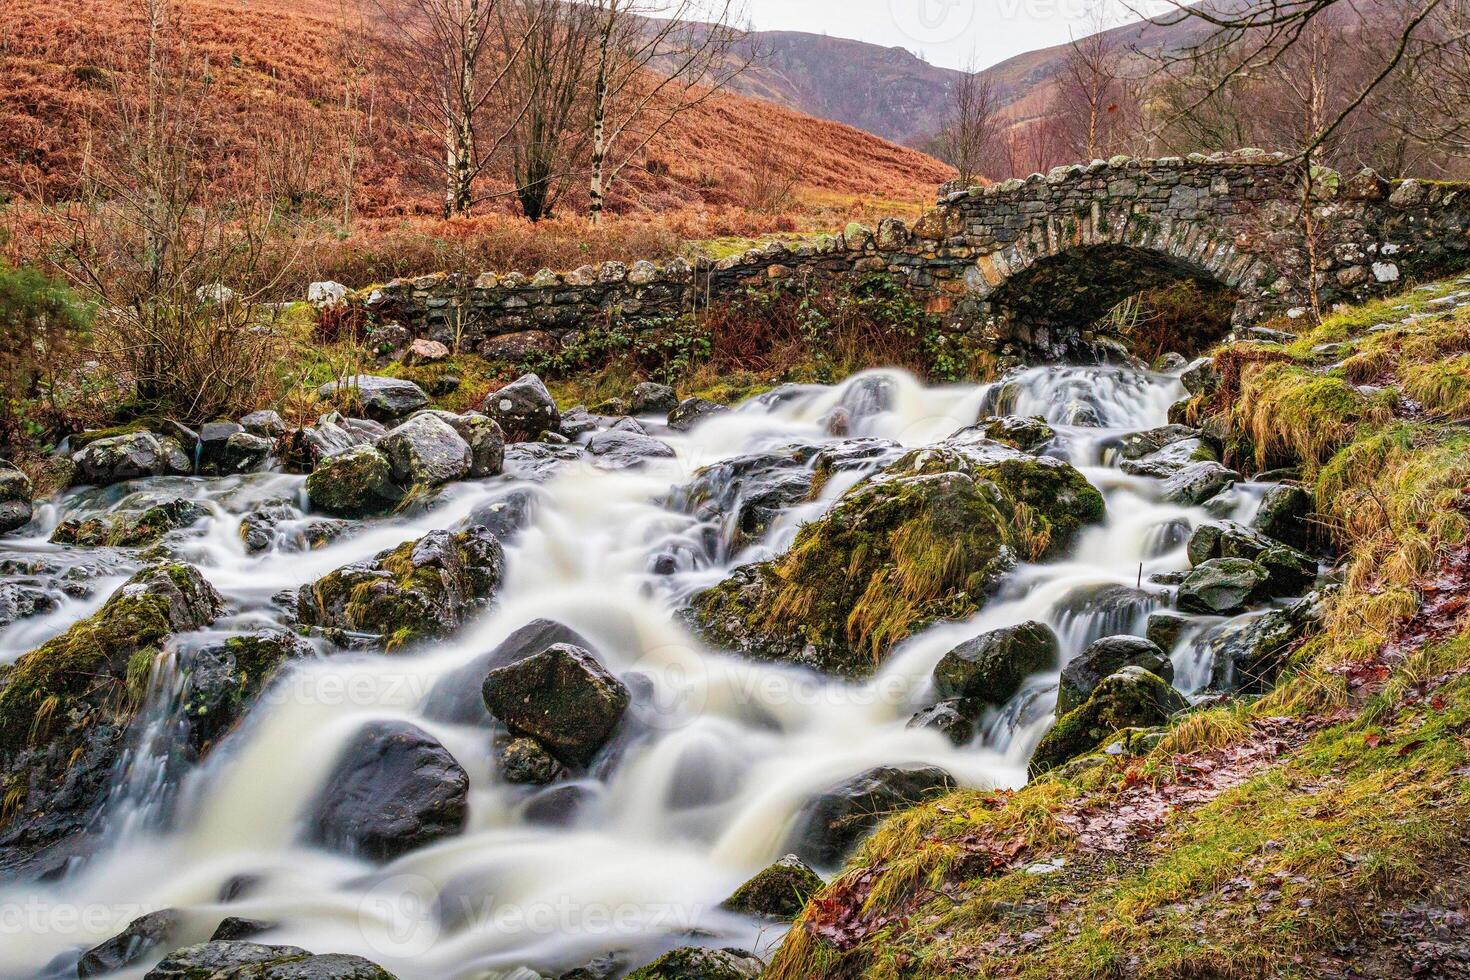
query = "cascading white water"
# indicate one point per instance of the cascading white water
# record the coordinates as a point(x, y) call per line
point(702, 798)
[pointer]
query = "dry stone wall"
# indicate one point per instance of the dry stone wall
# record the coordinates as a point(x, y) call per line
point(1027, 263)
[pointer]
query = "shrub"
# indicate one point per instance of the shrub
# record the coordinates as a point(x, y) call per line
point(39, 319)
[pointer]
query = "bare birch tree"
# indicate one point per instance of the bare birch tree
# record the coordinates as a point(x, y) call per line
point(654, 60)
point(971, 126)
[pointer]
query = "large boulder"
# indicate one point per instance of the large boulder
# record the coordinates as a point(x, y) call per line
point(1137, 445)
point(130, 456)
point(692, 411)
point(699, 963)
point(223, 678)
point(992, 667)
point(779, 892)
point(15, 498)
point(457, 697)
point(562, 697)
point(419, 590)
point(1171, 459)
point(65, 706)
point(354, 483)
point(426, 452)
point(1285, 514)
point(382, 399)
point(486, 441)
point(226, 448)
point(1246, 657)
point(142, 936)
point(1106, 657)
point(1029, 435)
point(1223, 586)
point(832, 824)
point(393, 789)
point(926, 539)
point(1198, 482)
point(236, 960)
point(651, 398)
point(1131, 698)
point(524, 409)
point(616, 449)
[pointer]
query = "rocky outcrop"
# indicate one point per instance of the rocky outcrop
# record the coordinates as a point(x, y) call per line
point(417, 591)
point(393, 790)
point(144, 935)
point(458, 699)
point(561, 697)
point(924, 540)
point(425, 452)
point(354, 483)
point(1222, 586)
point(832, 824)
point(223, 679)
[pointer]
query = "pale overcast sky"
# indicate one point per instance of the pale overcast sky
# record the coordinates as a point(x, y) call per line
point(944, 32)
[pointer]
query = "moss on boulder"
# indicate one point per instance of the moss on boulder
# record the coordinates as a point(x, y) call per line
point(926, 539)
point(779, 892)
point(1131, 698)
point(131, 531)
point(419, 590)
point(698, 963)
point(355, 483)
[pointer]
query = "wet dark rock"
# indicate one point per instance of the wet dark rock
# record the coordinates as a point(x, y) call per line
point(955, 718)
point(524, 409)
point(1029, 435)
point(129, 456)
point(754, 488)
point(1131, 698)
point(254, 961)
point(562, 697)
point(1169, 362)
point(19, 601)
point(222, 680)
point(525, 762)
point(539, 461)
point(1090, 612)
point(382, 399)
point(143, 935)
point(1106, 657)
point(1171, 459)
point(419, 590)
point(1248, 657)
point(507, 515)
point(355, 483)
point(457, 697)
point(393, 790)
point(279, 525)
point(1225, 539)
point(698, 963)
point(779, 892)
point(425, 452)
point(1165, 628)
point(992, 667)
point(1137, 445)
point(1201, 377)
point(1222, 586)
point(15, 498)
point(1198, 482)
point(692, 411)
point(559, 805)
point(131, 530)
point(577, 422)
point(627, 423)
point(617, 449)
point(226, 448)
point(1285, 514)
point(234, 928)
point(650, 398)
point(832, 824)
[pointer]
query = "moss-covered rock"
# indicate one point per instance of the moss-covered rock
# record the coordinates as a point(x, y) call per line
point(832, 824)
point(15, 498)
point(419, 590)
point(924, 540)
point(355, 483)
point(991, 667)
point(131, 530)
point(1018, 432)
point(779, 892)
point(562, 697)
point(221, 680)
point(1131, 698)
point(237, 960)
point(1106, 657)
point(698, 963)
point(1222, 586)
point(116, 458)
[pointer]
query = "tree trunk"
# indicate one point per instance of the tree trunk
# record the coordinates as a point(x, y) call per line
point(595, 199)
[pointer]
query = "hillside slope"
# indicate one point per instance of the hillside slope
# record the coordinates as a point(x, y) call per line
point(273, 79)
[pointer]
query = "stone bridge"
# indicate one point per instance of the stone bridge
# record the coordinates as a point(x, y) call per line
point(1028, 264)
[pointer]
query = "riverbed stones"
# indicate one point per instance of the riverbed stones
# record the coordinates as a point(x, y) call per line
point(562, 697)
point(426, 452)
point(1169, 460)
point(457, 698)
point(1285, 514)
point(486, 441)
point(382, 399)
point(1198, 482)
point(525, 762)
point(1106, 657)
point(136, 530)
point(129, 456)
point(779, 892)
point(830, 826)
point(1223, 586)
point(394, 789)
point(15, 498)
point(265, 423)
point(226, 448)
point(420, 590)
point(1137, 445)
point(616, 449)
point(142, 936)
point(1247, 657)
point(354, 483)
point(1165, 628)
point(693, 411)
point(954, 718)
point(1029, 435)
point(992, 667)
point(699, 963)
point(652, 398)
point(924, 540)
point(222, 679)
point(1131, 698)
point(240, 960)
point(524, 409)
